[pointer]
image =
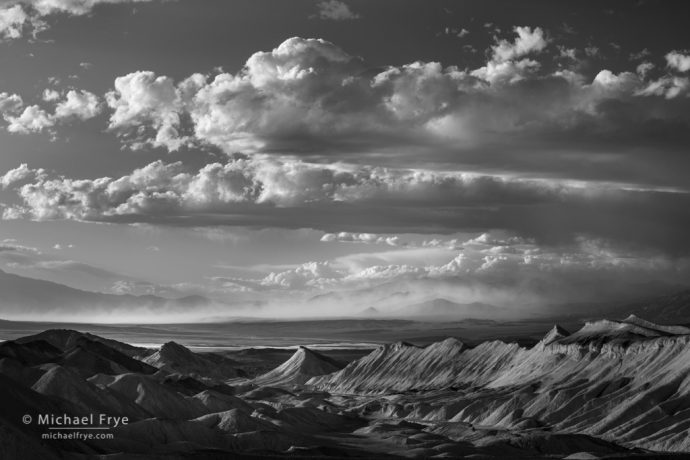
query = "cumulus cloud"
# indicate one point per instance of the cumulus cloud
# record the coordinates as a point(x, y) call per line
point(74, 7)
point(308, 275)
point(667, 86)
point(10, 103)
point(504, 65)
point(50, 95)
point(528, 41)
point(277, 94)
point(644, 68)
point(144, 97)
point(309, 97)
point(32, 119)
point(303, 89)
point(293, 193)
point(167, 187)
point(19, 16)
point(80, 105)
point(294, 108)
point(409, 241)
point(139, 96)
point(12, 21)
point(678, 61)
point(367, 238)
point(19, 174)
point(494, 267)
point(335, 10)
point(300, 87)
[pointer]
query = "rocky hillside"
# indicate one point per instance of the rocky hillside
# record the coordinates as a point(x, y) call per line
point(620, 380)
point(302, 366)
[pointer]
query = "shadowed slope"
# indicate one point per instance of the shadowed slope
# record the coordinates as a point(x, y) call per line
point(175, 358)
point(91, 357)
point(64, 339)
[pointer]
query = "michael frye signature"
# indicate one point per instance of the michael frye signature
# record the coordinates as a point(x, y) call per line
point(93, 421)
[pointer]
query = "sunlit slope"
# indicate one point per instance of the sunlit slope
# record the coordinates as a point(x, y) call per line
point(625, 380)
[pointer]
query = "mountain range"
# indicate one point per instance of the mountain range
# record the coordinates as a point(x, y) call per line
point(22, 295)
point(29, 297)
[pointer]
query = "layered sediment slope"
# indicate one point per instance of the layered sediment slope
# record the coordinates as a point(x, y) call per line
point(302, 366)
point(398, 367)
point(627, 381)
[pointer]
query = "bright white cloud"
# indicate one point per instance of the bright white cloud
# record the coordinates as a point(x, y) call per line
point(19, 174)
point(367, 238)
point(82, 105)
point(309, 94)
point(390, 240)
point(504, 66)
point(308, 275)
point(420, 91)
point(32, 119)
point(167, 188)
point(668, 86)
point(528, 41)
point(78, 104)
point(12, 21)
point(142, 97)
point(19, 16)
point(295, 194)
point(678, 61)
point(495, 265)
point(50, 95)
point(10, 103)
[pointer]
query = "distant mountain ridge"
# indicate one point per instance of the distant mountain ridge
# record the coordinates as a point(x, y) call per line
point(444, 308)
point(19, 294)
point(667, 309)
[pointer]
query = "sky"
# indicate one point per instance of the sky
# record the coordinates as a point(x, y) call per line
point(307, 158)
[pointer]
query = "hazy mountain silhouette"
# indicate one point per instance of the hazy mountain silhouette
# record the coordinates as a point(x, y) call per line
point(19, 294)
